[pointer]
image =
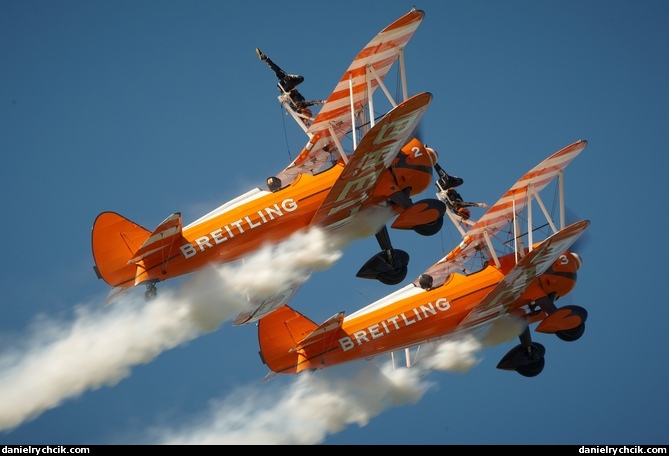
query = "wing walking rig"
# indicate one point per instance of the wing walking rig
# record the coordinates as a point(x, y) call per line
point(505, 213)
point(351, 96)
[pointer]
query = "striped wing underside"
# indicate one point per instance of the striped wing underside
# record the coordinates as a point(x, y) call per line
point(501, 213)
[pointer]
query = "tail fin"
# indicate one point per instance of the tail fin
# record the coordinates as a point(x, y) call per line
point(115, 240)
point(278, 335)
point(285, 335)
point(124, 251)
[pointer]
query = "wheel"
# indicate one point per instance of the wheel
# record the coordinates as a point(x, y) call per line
point(393, 277)
point(378, 267)
point(429, 229)
point(570, 335)
point(526, 364)
point(150, 294)
point(532, 369)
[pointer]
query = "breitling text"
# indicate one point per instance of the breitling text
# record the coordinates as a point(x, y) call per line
point(232, 229)
point(394, 323)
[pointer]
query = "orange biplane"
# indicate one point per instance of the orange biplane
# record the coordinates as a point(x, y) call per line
point(486, 277)
point(323, 187)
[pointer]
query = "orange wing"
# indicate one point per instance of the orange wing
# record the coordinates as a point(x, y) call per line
point(352, 93)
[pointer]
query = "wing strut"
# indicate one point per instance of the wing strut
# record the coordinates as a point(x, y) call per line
point(300, 119)
point(385, 89)
point(531, 195)
point(560, 175)
point(342, 154)
point(352, 103)
point(371, 74)
point(369, 70)
point(403, 74)
point(491, 250)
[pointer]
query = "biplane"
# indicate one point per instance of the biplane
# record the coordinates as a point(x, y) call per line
point(499, 270)
point(326, 186)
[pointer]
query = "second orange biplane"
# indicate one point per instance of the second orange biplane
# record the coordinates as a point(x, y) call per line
point(323, 187)
point(454, 297)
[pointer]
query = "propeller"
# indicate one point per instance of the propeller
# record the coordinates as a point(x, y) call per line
point(585, 239)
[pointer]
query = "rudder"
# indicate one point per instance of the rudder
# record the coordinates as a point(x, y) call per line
point(114, 240)
point(278, 335)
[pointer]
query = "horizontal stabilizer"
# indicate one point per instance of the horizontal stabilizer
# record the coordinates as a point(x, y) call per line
point(325, 331)
point(261, 307)
point(116, 293)
point(161, 240)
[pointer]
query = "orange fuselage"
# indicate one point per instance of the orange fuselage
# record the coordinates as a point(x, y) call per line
point(268, 218)
point(413, 316)
point(231, 233)
point(406, 322)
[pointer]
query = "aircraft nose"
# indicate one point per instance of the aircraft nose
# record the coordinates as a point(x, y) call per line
point(434, 156)
point(577, 259)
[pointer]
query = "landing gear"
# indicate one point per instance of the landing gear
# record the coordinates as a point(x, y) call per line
point(151, 292)
point(567, 323)
point(570, 335)
point(394, 276)
point(430, 229)
point(532, 369)
point(527, 358)
point(388, 266)
point(425, 217)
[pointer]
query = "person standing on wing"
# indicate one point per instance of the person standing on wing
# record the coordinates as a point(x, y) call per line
point(287, 84)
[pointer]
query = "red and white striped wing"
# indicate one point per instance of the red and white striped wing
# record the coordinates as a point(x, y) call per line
point(501, 213)
point(380, 54)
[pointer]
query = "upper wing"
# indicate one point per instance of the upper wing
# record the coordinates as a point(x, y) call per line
point(377, 150)
point(503, 211)
point(534, 264)
point(352, 94)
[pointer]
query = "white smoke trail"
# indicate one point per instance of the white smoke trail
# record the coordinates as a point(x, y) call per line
point(315, 405)
point(303, 412)
point(60, 360)
point(459, 353)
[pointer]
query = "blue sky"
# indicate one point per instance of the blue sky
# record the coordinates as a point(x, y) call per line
point(152, 107)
